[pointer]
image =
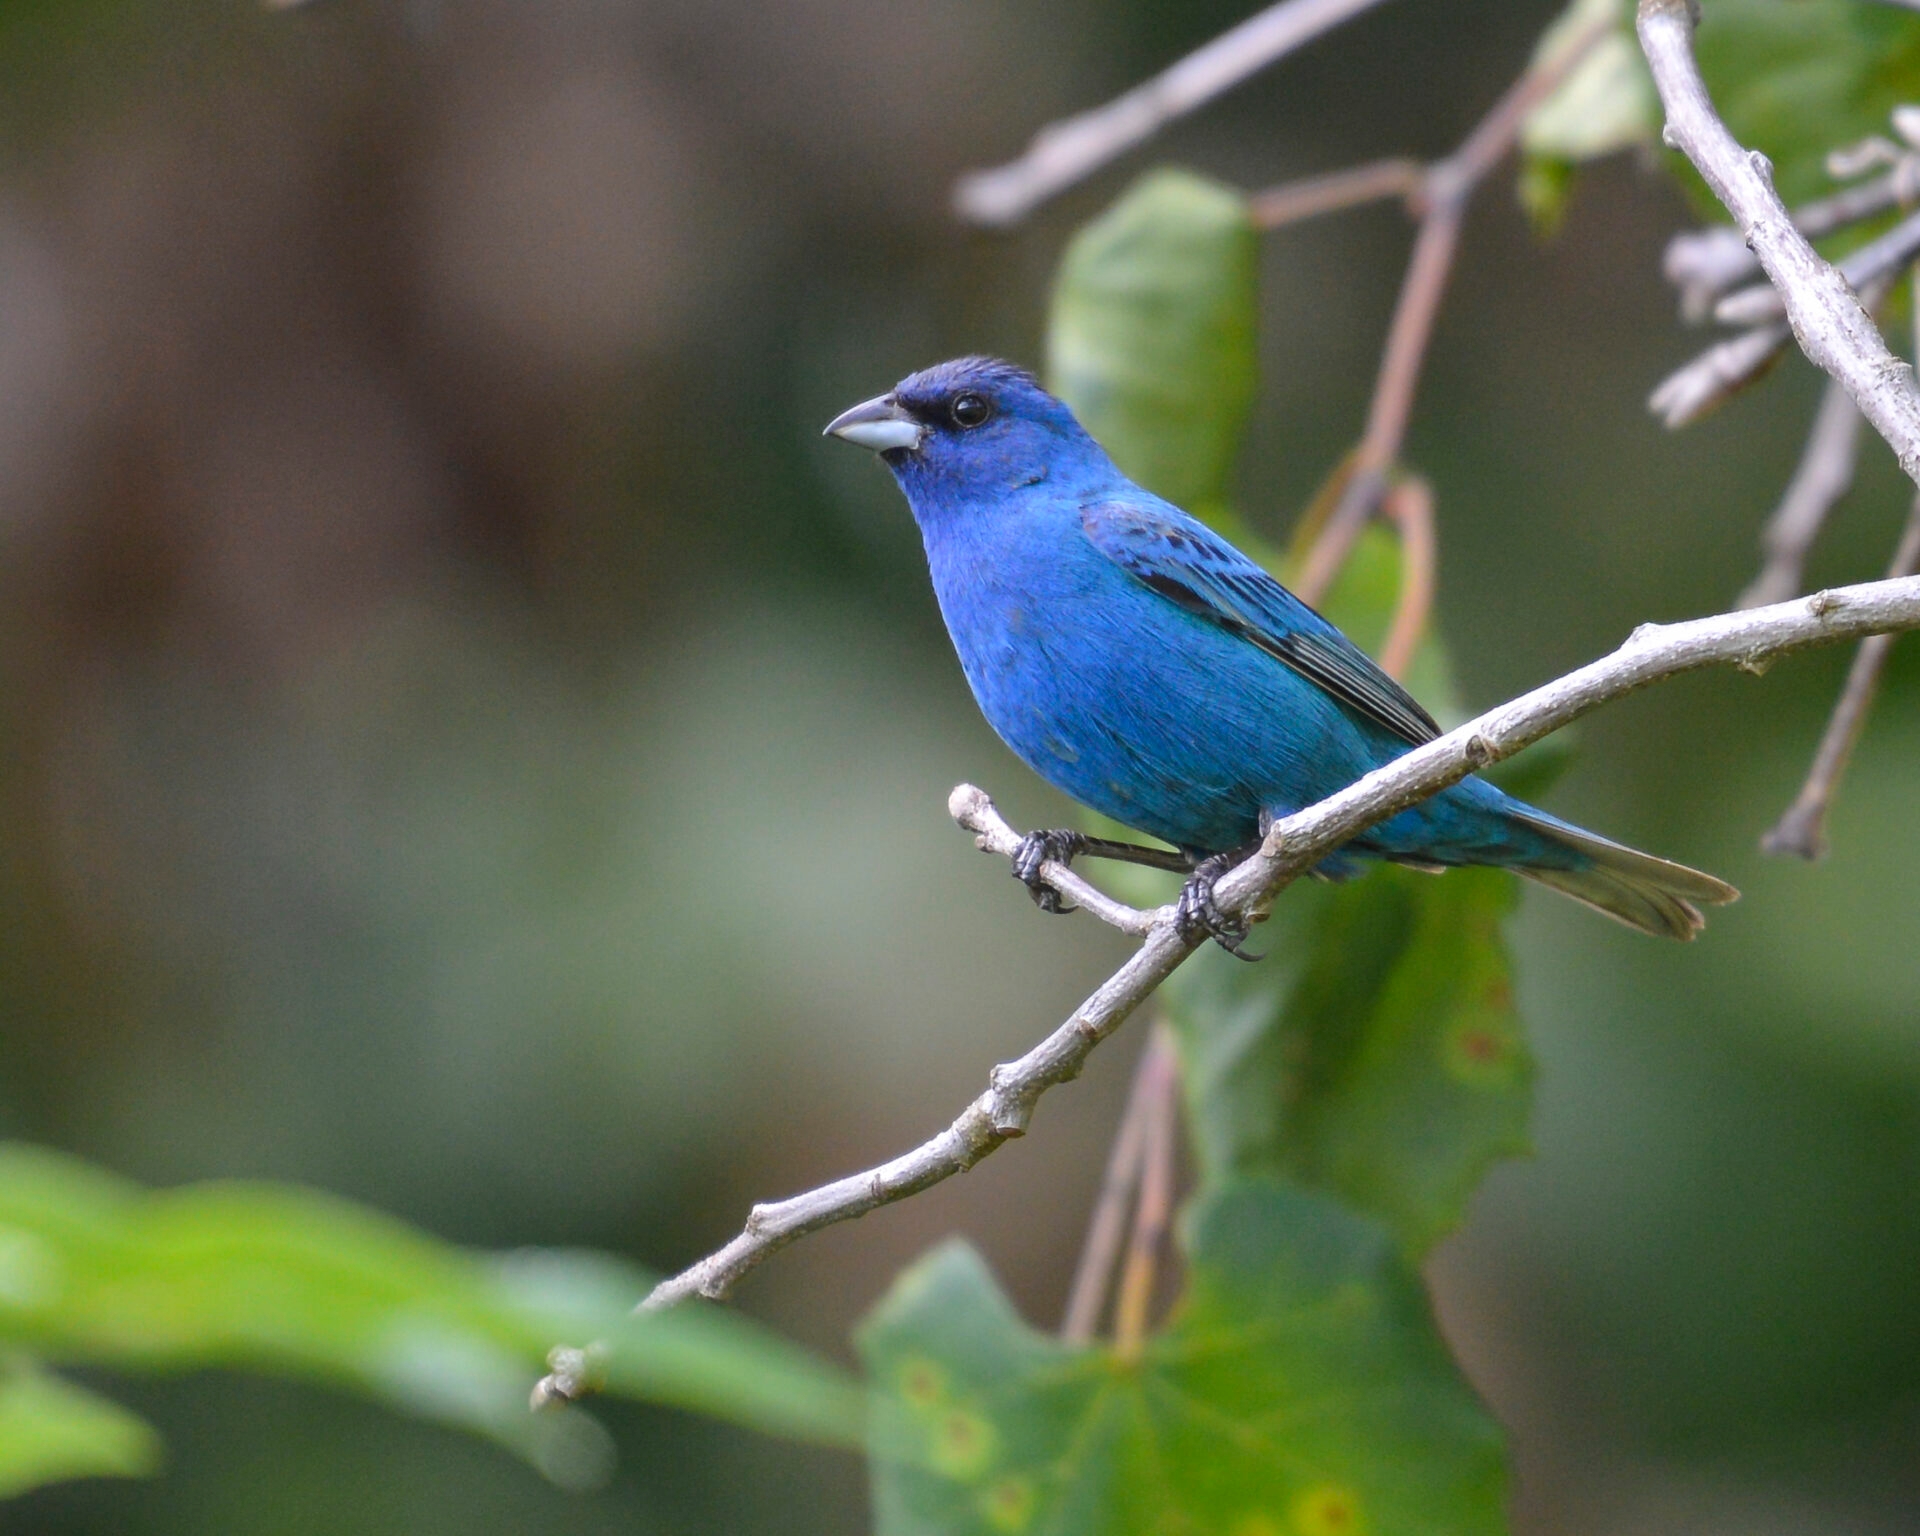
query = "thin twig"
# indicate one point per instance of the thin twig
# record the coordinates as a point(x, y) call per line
point(1705, 263)
point(1443, 196)
point(1387, 417)
point(992, 834)
point(1156, 1199)
point(1409, 507)
point(1752, 640)
point(1706, 383)
point(1716, 375)
point(1802, 828)
point(1824, 476)
point(1092, 1276)
point(1312, 196)
point(1827, 319)
point(1064, 152)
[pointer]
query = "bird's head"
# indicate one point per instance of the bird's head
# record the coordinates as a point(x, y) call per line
point(975, 423)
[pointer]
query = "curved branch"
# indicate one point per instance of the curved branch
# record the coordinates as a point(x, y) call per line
point(1750, 639)
point(1442, 196)
point(1827, 319)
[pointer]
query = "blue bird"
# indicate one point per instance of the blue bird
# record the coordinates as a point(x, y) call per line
point(1136, 660)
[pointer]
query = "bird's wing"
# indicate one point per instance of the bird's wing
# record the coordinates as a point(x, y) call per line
point(1189, 564)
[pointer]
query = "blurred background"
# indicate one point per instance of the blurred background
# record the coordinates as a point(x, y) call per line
point(466, 742)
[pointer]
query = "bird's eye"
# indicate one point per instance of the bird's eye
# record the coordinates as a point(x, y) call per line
point(969, 410)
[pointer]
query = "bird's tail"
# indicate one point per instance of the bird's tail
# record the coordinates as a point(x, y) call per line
point(1654, 895)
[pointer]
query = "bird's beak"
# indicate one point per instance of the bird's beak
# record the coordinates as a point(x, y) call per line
point(879, 424)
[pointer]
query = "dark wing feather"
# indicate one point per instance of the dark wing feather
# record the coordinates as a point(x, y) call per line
point(1189, 564)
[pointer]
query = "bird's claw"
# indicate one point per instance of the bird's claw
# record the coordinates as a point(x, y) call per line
point(1197, 915)
point(1036, 849)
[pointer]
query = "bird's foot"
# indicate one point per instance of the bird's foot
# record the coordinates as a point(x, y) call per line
point(1038, 848)
point(1197, 915)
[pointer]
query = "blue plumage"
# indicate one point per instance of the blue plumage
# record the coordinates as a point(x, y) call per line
point(1135, 659)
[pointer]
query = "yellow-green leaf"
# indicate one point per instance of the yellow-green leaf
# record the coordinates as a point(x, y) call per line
point(280, 1279)
point(52, 1431)
point(1300, 1389)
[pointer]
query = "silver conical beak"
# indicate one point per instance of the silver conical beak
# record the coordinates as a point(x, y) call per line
point(879, 424)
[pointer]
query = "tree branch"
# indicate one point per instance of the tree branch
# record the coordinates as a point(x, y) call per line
point(1751, 639)
point(1409, 507)
point(1824, 476)
point(1722, 371)
point(1130, 1308)
point(1064, 152)
point(1802, 827)
point(1093, 1275)
point(1827, 319)
point(1875, 262)
point(1312, 196)
point(1442, 197)
point(1705, 263)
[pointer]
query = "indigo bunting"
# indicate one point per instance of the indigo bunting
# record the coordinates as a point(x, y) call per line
point(1139, 662)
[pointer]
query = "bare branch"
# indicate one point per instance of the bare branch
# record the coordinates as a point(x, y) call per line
point(1094, 1273)
point(975, 811)
point(1409, 507)
point(1063, 153)
point(1751, 640)
point(1802, 828)
point(1827, 319)
point(1705, 263)
point(1312, 196)
point(1156, 1198)
point(1443, 195)
point(1824, 476)
point(1716, 375)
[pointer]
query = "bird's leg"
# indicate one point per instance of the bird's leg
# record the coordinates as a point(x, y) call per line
point(1062, 847)
point(1037, 848)
point(1199, 918)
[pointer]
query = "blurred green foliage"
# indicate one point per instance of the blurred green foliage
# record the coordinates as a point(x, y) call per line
point(52, 1430)
point(1798, 81)
point(273, 1278)
point(1375, 1054)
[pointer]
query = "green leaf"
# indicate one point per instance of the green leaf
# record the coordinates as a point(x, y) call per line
point(291, 1281)
point(1151, 336)
point(1606, 103)
point(1799, 79)
point(1608, 98)
point(52, 1431)
point(1374, 1055)
point(1299, 1390)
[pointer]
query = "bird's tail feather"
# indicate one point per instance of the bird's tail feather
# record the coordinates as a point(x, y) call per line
point(1654, 895)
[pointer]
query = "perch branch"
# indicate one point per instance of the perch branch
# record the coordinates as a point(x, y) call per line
point(1832, 328)
point(1749, 639)
point(1067, 151)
